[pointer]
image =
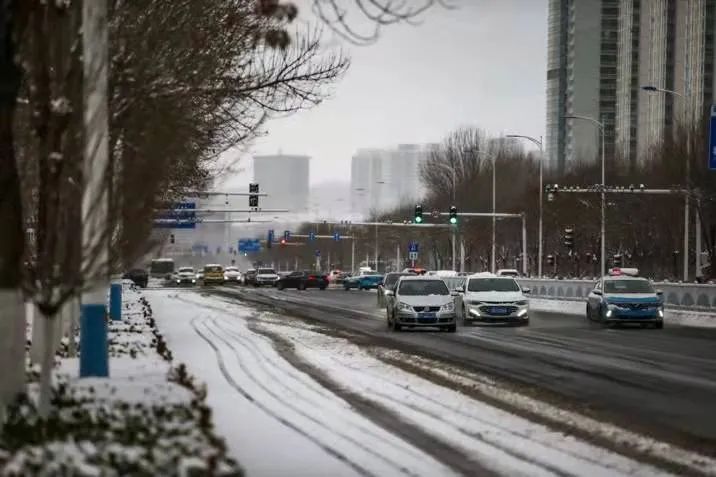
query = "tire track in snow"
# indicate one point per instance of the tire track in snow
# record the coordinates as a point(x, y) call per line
point(274, 373)
point(289, 405)
point(232, 382)
point(481, 436)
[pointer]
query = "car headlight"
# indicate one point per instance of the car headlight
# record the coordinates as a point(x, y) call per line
point(178, 281)
point(404, 306)
point(448, 307)
point(193, 280)
point(521, 303)
point(661, 312)
point(474, 302)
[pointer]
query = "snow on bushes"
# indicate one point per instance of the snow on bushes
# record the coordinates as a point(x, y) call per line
point(149, 419)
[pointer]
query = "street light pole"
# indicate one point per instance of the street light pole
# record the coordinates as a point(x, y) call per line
point(600, 125)
point(539, 144)
point(494, 223)
point(656, 89)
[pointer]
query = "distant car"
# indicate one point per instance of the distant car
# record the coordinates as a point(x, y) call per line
point(232, 275)
point(389, 282)
point(621, 298)
point(333, 275)
point(363, 282)
point(139, 277)
point(508, 272)
point(303, 280)
point(249, 277)
point(492, 299)
point(415, 271)
point(420, 302)
point(185, 276)
point(213, 274)
point(199, 276)
point(264, 277)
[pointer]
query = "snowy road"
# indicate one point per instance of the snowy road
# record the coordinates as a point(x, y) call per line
point(293, 398)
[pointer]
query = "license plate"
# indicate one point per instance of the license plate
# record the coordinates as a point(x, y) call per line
point(498, 310)
point(426, 316)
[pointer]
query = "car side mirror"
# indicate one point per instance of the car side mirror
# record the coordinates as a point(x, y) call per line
point(597, 292)
point(526, 290)
point(388, 293)
point(660, 292)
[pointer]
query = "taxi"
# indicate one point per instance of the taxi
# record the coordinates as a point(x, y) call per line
point(624, 297)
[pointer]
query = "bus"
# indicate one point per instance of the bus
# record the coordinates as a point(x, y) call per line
point(161, 268)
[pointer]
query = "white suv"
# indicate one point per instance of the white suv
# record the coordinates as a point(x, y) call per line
point(493, 299)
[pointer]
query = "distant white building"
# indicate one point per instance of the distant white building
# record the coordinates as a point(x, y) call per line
point(285, 178)
point(382, 179)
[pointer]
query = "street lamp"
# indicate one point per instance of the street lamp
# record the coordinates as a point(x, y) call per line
point(600, 125)
point(539, 144)
point(493, 159)
point(656, 89)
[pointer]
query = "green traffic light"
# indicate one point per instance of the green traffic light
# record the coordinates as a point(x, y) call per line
point(418, 220)
point(453, 220)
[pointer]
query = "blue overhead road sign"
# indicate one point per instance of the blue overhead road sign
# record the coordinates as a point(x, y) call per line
point(182, 216)
point(712, 138)
point(249, 245)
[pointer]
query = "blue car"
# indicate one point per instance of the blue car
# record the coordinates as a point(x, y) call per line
point(362, 282)
point(625, 299)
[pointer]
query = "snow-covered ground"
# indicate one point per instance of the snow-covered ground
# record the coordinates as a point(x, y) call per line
point(279, 417)
point(700, 319)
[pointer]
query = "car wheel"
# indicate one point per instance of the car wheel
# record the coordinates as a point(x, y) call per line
point(280, 286)
point(589, 313)
point(322, 288)
point(659, 325)
point(396, 326)
point(301, 286)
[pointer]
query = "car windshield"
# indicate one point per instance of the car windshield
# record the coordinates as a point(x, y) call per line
point(492, 284)
point(628, 286)
point(232, 269)
point(212, 268)
point(186, 269)
point(392, 278)
point(423, 287)
point(266, 271)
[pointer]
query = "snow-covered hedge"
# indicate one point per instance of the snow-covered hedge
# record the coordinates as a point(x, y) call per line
point(133, 424)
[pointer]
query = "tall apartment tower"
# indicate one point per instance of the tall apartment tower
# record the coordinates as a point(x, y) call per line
point(581, 79)
point(668, 44)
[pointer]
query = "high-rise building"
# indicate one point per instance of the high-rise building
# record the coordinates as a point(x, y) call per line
point(285, 178)
point(581, 79)
point(668, 44)
point(382, 179)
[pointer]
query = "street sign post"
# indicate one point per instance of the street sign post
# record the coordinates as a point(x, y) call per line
point(712, 139)
point(311, 236)
point(336, 236)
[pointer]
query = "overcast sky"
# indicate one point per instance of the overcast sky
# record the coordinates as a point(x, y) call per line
point(483, 64)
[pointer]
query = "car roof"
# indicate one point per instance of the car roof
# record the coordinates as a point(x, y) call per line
point(212, 265)
point(622, 277)
point(484, 275)
point(427, 278)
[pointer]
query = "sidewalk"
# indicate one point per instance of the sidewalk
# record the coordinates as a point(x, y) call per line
point(148, 418)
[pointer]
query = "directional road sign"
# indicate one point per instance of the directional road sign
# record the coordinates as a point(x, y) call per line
point(712, 138)
point(413, 255)
point(413, 247)
point(336, 236)
point(318, 253)
point(185, 218)
point(249, 245)
point(311, 236)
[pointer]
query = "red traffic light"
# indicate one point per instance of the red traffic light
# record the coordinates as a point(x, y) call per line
point(283, 241)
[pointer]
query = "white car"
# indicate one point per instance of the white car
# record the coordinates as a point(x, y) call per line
point(232, 275)
point(493, 299)
point(265, 276)
point(508, 272)
point(185, 276)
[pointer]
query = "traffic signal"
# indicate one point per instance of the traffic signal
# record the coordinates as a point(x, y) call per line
point(171, 238)
point(253, 199)
point(269, 239)
point(550, 259)
point(283, 241)
point(568, 238)
point(453, 215)
point(418, 214)
point(286, 235)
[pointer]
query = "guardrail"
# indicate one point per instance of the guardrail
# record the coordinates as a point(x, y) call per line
point(676, 295)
